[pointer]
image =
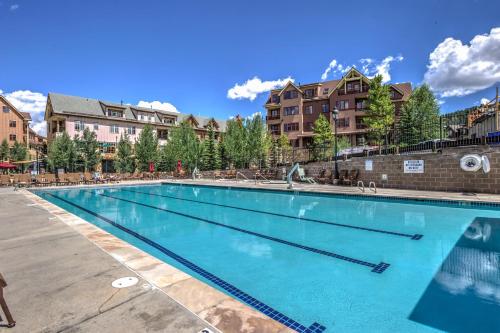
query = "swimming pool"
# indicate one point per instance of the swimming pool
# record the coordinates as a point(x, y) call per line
point(317, 263)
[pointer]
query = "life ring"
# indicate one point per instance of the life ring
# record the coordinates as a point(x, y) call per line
point(486, 164)
point(471, 162)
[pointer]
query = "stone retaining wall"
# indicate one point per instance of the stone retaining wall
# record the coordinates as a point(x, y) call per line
point(442, 171)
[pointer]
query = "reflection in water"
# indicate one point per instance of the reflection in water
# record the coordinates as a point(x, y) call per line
point(253, 248)
point(464, 295)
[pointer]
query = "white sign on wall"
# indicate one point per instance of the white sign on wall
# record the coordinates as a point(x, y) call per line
point(413, 166)
point(368, 165)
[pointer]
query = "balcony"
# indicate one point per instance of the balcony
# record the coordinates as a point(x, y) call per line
point(353, 91)
point(275, 132)
point(361, 126)
point(277, 117)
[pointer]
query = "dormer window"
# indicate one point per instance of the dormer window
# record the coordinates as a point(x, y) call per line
point(325, 91)
point(115, 113)
point(169, 121)
point(393, 94)
point(275, 99)
point(309, 93)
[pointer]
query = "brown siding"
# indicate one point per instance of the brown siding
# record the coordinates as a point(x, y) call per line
point(6, 130)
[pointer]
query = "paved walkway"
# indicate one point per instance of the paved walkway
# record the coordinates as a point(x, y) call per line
point(61, 282)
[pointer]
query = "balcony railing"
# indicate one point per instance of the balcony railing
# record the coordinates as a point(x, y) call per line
point(275, 132)
point(272, 117)
point(361, 126)
point(353, 91)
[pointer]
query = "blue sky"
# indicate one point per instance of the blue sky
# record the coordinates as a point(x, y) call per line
point(190, 54)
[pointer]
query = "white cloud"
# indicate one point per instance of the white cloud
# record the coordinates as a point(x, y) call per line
point(384, 67)
point(158, 105)
point(255, 86)
point(456, 69)
point(14, 7)
point(485, 101)
point(258, 113)
point(369, 67)
point(32, 102)
point(333, 67)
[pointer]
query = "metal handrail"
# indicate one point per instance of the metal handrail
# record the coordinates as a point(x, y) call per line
point(196, 173)
point(261, 176)
point(290, 174)
point(239, 173)
point(374, 187)
point(362, 187)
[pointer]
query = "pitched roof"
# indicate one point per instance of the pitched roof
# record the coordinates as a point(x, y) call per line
point(405, 88)
point(24, 115)
point(65, 104)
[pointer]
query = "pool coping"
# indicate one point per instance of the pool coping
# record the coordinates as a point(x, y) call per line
point(220, 310)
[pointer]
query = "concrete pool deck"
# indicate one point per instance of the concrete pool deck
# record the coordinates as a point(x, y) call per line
point(59, 281)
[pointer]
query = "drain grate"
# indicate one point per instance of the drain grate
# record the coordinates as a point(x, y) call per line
point(125, 282)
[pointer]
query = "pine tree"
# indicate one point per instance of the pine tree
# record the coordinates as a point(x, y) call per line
point(235, 143)
point(146, 148)
point(62, 153)
point(380, 113)
point(4, 150)
point(211, 158)
point(124, 161)
point(257, 144)
point(87, 149)
point(183, 145)
point(420, 117)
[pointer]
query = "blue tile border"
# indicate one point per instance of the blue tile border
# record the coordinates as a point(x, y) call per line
point(274, 239)
point(410, 236)
point(368, 197)
point(232, 290)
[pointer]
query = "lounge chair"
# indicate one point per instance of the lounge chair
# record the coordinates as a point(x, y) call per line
point(23, 179)
point(5, 180)
point(325, 177)
point(351, 177)
point(303, 178)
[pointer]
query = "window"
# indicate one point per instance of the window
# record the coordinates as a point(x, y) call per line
point(169, 121)
point(274, 128)
point(360, 104)
point(275, 113)
point(162, 134)
point(343, 122)
point(275, 99)
point(114, 129)
point(309, 93)
point(12, 123)
point(325, 91)
point(393, 94)
point(96, 127)
point(291, 94)
point(130, 130)
point(356, 87)
point(115, 113)
point(291, 110)
point(107, 147)
point(349, 86)
point(151, 118)
point(324, 108)
point(308, 126)
point(308, 109)
point(291, 127)
point(5, 109)
point(79, 125)
point(342, 105)
point(12, 137)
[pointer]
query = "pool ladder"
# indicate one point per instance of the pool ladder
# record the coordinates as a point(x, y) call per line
point(371, 186)
point(242, 175)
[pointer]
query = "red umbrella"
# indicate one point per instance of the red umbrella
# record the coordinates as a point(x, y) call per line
point(7, 165)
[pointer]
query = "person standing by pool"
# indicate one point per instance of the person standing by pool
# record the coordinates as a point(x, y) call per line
point(3, 304)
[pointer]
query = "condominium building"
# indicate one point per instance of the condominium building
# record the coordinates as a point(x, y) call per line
point(110, 120)
point(293, 109)
point(14, 124)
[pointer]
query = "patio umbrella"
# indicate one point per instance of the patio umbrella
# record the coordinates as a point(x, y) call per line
point(7, 165)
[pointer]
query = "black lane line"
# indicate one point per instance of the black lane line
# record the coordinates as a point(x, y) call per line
point(274, 314)
point(413, 237)
point(376, 268)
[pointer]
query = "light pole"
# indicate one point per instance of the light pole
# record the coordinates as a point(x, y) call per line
point(335, 113)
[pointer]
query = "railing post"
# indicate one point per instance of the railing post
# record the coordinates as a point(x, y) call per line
point(440, 132)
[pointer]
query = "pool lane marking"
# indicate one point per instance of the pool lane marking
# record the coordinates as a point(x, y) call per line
point(413, 237)
point(234, 291)
point(376, 268)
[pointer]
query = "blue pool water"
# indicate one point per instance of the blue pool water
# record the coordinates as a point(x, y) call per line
point(317, 263)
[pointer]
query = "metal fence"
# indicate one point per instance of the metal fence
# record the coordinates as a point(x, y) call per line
point(430, 135)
